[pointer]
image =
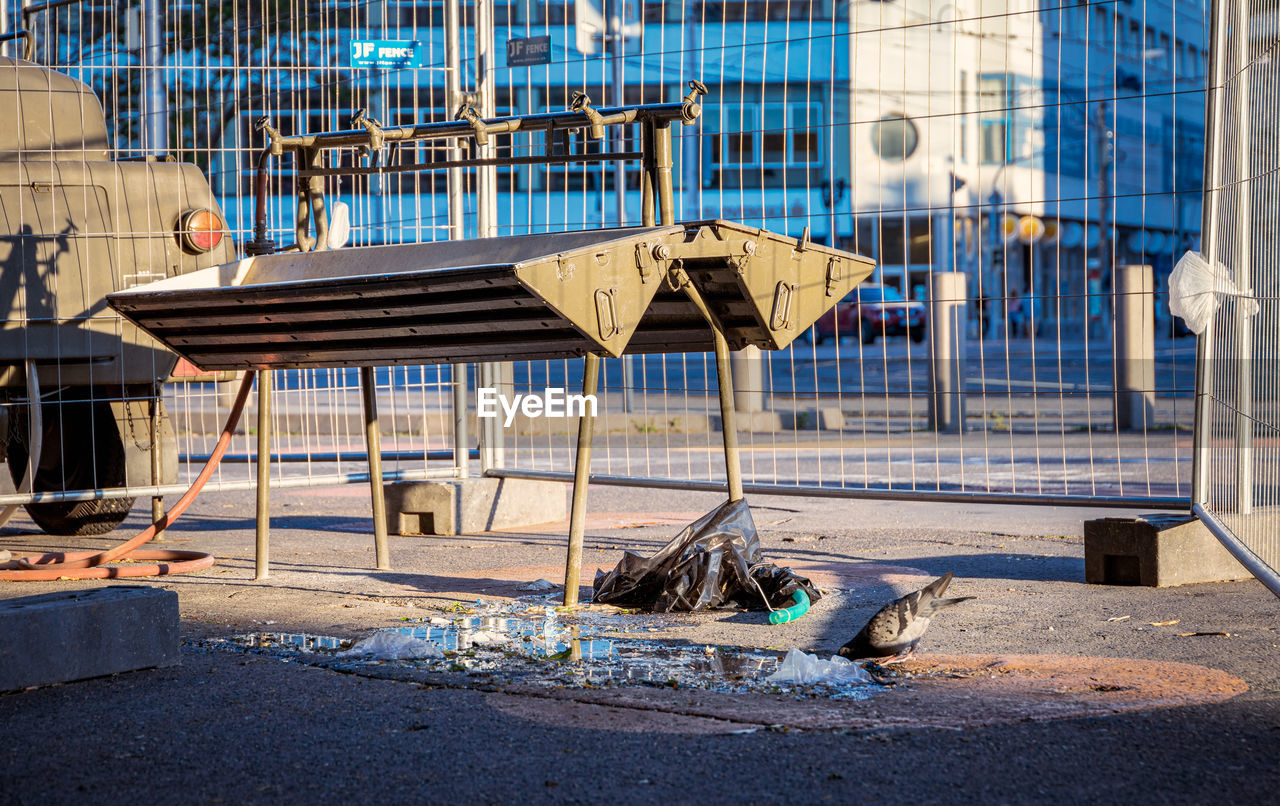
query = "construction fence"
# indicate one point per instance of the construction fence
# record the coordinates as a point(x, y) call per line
point(1024, 174)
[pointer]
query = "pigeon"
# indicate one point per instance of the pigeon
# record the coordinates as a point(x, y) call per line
point(892, 633)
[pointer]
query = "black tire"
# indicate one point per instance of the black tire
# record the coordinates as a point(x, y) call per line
point(96, 460)
point(867, 332)
point(917, 334)
point(818, 338)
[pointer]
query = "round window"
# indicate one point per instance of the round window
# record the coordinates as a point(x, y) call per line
point(894, 138)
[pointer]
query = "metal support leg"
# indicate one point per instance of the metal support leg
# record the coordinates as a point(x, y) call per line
point(581, 473)
point(157, 501)
point(373, 446)
point(263, 524)
point(728, 419)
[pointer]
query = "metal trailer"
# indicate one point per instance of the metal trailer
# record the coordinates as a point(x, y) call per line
point(661, 287)
point(79, 226)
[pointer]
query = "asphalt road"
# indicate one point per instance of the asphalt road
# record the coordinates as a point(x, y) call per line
point(232, 728)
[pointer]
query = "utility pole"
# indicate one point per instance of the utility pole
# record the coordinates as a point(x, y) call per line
point(1106, 157)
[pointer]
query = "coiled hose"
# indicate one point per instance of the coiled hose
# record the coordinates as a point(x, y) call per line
point(92, 564)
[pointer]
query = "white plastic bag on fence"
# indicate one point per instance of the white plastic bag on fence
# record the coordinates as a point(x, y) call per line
point(801, 667)
point(393, 645)
point(1195, 288)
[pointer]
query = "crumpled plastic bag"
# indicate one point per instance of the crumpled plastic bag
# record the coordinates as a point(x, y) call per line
point(393, 645)
point(1195, 289)
point(803, 668)
point(488, 638)
point(714, 562)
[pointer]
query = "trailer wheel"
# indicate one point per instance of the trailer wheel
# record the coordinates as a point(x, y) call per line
point(92, 459)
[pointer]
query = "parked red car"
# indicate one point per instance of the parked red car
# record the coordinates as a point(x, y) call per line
point(870, 311)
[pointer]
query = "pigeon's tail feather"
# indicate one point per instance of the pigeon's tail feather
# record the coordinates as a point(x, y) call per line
point(938, 604)
point(938, 587)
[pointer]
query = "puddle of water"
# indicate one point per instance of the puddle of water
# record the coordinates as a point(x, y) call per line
point(537, 645)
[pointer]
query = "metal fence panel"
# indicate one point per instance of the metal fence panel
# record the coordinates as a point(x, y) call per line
point(1025, 150)
point(1236, 488)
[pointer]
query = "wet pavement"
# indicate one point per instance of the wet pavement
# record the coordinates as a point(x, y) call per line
point(1042, 689)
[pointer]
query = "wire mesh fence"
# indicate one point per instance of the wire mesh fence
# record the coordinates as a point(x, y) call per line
point(1235, 491)
point(1021, 154)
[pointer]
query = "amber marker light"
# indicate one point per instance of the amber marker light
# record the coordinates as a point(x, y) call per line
point(201, 230)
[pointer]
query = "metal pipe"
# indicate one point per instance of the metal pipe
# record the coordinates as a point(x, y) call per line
point(451, 129)
point(373, 446)
point(728, 418)
point(157, 501)
point(1251, 562)
point(648, 216)
point(262, 527)
point(1244, 274)
point(507, 161)
point(456, 191)
point(662, 171)
point(453, 100)
point(286, 482)
point(581, 472)
point(321, 457)
point(867, 493)
point(461, 437)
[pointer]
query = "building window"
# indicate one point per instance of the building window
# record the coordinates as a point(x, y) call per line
point(996, 123)
point(894, 138)
point(769, 144)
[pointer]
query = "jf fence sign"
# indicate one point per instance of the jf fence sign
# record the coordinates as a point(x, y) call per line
point(529, 51)
point(396, 53)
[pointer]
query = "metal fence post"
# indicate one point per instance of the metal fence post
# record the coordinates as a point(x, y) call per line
point(1135, 350)
point(946, 351)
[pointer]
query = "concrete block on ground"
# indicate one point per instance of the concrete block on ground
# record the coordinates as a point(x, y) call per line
point(472, 505)
point(749, 421)
point(60, 637)
point(823, 418)
point(1157, 551)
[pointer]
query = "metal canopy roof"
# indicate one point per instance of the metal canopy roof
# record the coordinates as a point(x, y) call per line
point(530, 296)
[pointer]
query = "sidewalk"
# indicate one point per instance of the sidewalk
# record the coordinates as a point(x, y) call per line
point(232, 727)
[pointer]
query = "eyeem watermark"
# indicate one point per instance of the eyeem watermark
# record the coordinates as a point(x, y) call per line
point(553, 402)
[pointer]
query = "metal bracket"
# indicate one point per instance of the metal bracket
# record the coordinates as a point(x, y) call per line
point(581, 102)
point(833, 275)
point(468, 113)
point(645, 261)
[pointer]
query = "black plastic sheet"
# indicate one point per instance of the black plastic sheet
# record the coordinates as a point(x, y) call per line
point(714, 562)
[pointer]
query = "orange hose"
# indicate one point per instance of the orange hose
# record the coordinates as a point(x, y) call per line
point(89, 564)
